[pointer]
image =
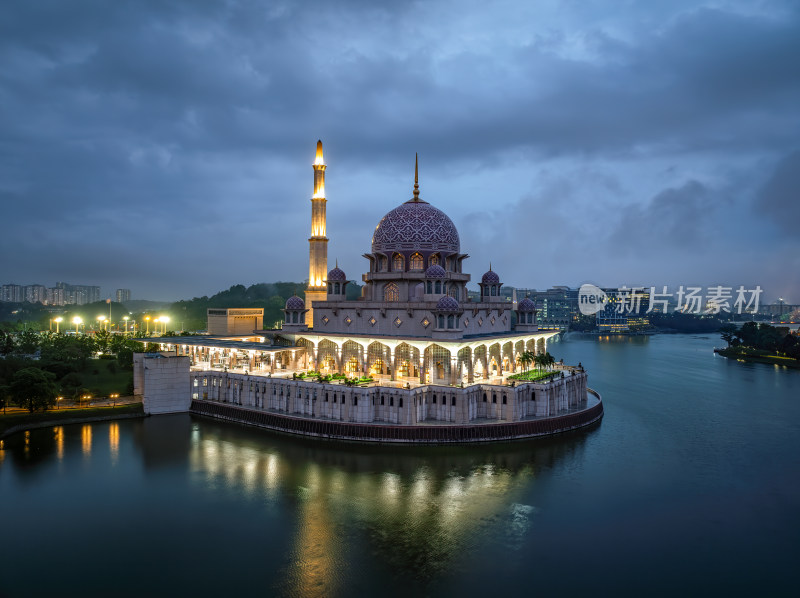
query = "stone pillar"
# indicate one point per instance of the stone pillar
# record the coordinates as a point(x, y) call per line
point(364, 365)
point(315, 357)
point(338, 360)
point(453, 368)
point(470, 368)
point(422, 367)
point(393, 361)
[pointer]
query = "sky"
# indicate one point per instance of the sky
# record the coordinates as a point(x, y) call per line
point(166, 146)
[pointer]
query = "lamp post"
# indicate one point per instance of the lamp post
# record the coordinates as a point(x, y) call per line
point(58, 321)
point(164, 320)
point(125, 318)
point(77, 321)
point(156, 322)
point(147, 319)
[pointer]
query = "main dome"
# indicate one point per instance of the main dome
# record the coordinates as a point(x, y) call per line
point(416, 226)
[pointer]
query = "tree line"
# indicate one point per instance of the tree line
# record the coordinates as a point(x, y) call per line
point(36, 367)
point(762, 337)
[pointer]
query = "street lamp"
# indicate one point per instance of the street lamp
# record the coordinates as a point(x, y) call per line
point(77, 321)
point(58, 321)
point(164, 320)
point(126, 323)
point(156, 322)
point(147, 319)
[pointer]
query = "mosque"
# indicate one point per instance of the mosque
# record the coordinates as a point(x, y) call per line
point(413, 350)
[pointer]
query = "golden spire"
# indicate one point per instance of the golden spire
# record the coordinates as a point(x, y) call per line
point(416, 177)
point(319, 159)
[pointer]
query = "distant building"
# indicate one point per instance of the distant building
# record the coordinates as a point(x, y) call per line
point(556, 308)
point(228, 322)
point(12, 293)
point(123, 295)
point(36, 293)
point(626, 309)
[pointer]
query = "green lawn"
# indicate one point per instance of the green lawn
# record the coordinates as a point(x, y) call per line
point(55, 415)
point(104, 382)
point(533, 375)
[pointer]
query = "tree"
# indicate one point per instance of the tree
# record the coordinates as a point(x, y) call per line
point(34, 389)
point(527, 358)
point(71, 384)
point(729, 333)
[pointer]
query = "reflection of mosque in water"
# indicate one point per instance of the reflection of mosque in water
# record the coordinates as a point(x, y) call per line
point(420, 509)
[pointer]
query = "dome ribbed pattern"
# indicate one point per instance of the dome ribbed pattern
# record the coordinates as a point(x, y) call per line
point(435, 271)
point(416, 226)
point(526, 305)
point(295, 302)
point(337, 275)
point(490, 277)
point(447, 303)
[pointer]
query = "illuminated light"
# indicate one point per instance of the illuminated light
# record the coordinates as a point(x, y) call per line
point(319, 193)
point(113, 442)
point(319, 161)
point(86, 440)
point(59, 434)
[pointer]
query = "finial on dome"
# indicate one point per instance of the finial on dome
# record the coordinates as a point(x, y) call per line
point(416, 177)
point(319, 159)
point(490, 266)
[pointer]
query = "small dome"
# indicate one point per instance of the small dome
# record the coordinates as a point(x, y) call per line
point(337, 275)
point(447, 303)
point(490, 277)
point(435, 271)
point(295, 302)
point(526, 305)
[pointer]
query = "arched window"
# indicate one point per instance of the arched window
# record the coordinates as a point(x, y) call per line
point(288, 318)
point(391, 292)
point(450, 321)
point(398, 263)
point(441, 321)
point(294, 318)
point(382, 264)
point(337, 289)
point(415, 263)
point(330, 288)
point(430, 287)
point(434, 260)
point(438, 287)
point(494, 291)
point(453, 291)
point(457, 321)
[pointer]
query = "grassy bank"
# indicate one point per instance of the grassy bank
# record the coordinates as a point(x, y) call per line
point(757, 356)
point(58, 415)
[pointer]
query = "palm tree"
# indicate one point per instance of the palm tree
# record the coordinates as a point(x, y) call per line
point(526, 358)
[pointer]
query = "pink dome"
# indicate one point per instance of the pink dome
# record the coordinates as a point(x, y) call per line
point(435, 271)
point(490, 277)
point(337, 275)
point(526, 305)
point(295, 302)
point(416, 226)
point(447, 303)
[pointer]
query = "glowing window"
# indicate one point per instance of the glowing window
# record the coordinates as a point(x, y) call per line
point(391, 292)
point(434, 260)
point(398, 263)
point(416, 261)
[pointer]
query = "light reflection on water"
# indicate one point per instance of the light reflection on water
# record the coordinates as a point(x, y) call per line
point(690, 443)
point(420, 515)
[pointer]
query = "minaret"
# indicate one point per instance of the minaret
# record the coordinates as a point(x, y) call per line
point(317, 243)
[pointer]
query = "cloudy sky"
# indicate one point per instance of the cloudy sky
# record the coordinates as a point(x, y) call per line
point(167, 146)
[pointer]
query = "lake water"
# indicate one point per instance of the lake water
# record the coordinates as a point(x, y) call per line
point(690, 485)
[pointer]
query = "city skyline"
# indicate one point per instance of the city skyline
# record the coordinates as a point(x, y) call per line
point(171, 147)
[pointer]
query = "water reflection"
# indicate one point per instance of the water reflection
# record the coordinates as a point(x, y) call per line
point(58, 434)
point(113, 442)
point(421, 508)
point(86, 440)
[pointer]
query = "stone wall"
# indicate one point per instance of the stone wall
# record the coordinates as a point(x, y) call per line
point(403, 406)
point(165, 380)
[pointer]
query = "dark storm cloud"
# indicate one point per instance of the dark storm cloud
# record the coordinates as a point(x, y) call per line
point(780, 197)
point(174, 138)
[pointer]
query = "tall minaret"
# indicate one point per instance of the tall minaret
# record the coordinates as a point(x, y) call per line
point(318, 243)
